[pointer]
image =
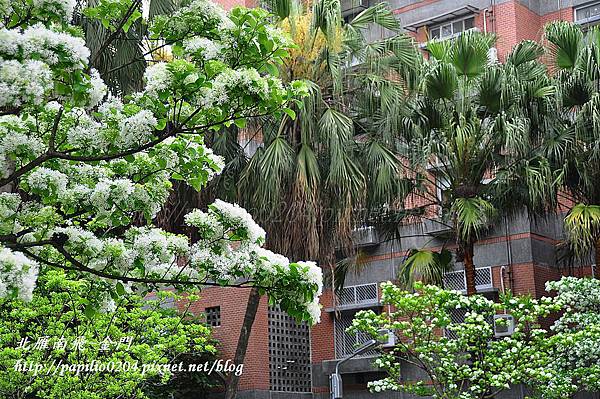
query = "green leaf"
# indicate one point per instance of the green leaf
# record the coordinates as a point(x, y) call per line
point(90, 311)
point(290, 112)
point(241, 123)
point(120, 288)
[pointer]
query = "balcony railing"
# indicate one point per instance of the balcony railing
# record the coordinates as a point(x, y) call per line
point(457, 280)
point(355, 295)
point(346, 342)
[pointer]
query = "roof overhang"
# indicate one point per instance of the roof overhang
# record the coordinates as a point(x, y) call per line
point(447, 16)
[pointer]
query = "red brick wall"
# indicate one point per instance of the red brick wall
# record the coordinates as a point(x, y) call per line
point(321, 335)
point(513, 22)
point(229, 4)
point(510, 21)
point(566, 14)
point(233, 303)
point(505, 25)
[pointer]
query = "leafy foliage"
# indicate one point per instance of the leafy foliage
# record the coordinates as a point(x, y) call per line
point(467, 364)
point(469, 136)
point(84, 175)
point(309, 179)
point(130, 338)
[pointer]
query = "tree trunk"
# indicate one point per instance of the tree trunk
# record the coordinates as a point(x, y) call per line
point(240, 352)
point(596, 271)
point(469, 269)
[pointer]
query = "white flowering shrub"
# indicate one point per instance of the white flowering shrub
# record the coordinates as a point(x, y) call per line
point(574, 348)
point(469, 363)
point(83, 173)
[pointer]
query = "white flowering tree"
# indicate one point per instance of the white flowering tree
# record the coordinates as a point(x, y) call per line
point(458, 358)
point(574, 348)
point(83, 173)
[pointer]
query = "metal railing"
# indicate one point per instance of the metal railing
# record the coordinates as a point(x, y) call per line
point(457, 280)
point(363, 294)
point(352, 296)
point(345, 342)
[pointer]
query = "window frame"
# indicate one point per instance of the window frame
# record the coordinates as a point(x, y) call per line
point(450, 23)
point(593, 20)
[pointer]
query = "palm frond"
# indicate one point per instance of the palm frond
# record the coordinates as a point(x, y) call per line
point(327, 17)
point(582, 225)
point(426, 266)
point(379, 14)
point(524, 52)
point(441, 82)
point(472, 215)
point(566, 40)
point(469, 53)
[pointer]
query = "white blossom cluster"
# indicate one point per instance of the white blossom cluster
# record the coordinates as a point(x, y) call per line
point(113, 130)
point(169, 256)
point(158, 78)
point(15, 143)
point(575, 360)
point(49, 46)
point(136, 129)
point(18, 274)
point(223, 217)
point(462, 358)
point(246, 80)
point(98, 89)
point(63, 8)
point(27, 58)
point(94, 176)
point(48, 182)
point(581, 294)
point(24, 82)
point(236, 218)
point(205, 48)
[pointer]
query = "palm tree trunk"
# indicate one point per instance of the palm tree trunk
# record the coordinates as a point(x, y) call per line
point(240, 352)
point(596, 271)
point(469, 269)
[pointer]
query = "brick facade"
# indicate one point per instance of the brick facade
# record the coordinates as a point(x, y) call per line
point(232, 303)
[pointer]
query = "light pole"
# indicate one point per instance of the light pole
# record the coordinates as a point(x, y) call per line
point(335, 379)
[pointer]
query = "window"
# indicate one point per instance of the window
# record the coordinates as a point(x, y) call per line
point(451, 28)
point(587, 14)
point(213, 316)
point(442, 188)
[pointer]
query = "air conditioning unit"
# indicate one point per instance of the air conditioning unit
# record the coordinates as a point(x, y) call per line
point(492, 55)
point(504, 325)
point(365, 236)
point(388, 339)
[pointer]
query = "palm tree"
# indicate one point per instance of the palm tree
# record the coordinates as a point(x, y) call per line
point(314, 168)
point(574, 56)
point(318, 165)
point(471, 132)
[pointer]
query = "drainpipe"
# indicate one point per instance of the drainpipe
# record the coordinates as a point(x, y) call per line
point(509, 258)
point(485, 21)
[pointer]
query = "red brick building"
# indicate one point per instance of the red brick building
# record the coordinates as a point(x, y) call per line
point(285, 360)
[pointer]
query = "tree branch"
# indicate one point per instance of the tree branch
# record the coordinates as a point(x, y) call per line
point(78, 266)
